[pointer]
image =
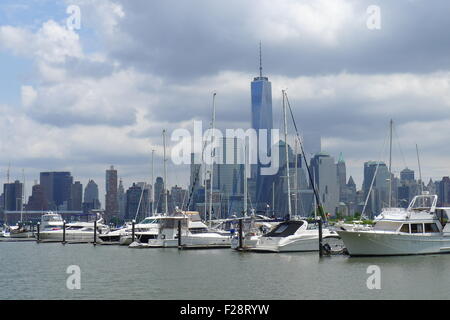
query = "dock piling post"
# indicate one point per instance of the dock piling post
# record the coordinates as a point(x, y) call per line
point(64, 232)
point(179, 234)
point(95, 232)
point(132, 231)
point(38, 232)
point(320, 237)
point(240, 234)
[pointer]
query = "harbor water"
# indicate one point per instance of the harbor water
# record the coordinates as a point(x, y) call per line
point(39, 271)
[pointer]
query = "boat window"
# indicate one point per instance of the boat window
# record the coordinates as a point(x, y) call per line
point(198, 230)
point(285, 229)
point(405, 228)
point(416, 228)
point(431, 227)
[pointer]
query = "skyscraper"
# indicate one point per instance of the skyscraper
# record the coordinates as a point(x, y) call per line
point(379, 197)
point(91, 199)
point(76, 196)
point(12, 193)
point(122, 200)
point(57, 188)
point(111, 204)
point(159, 198)
point(325, 175)
point(37, 200)
point(261, 98)
point(137, 198)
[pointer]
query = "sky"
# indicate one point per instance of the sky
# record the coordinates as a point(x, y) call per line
point(82, 99)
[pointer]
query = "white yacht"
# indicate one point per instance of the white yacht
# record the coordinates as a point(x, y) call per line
point(82, 232)
point(398, 231)
point(253, 228)
point(51, 221)
point(292, 236)
point(20, 231)
point(194, 233)
point(143, 231)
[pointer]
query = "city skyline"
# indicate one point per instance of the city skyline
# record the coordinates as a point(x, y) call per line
point(85, 85)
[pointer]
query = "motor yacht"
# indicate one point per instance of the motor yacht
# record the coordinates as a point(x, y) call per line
point(143, 231)
point(398, 231)
point(292, 236)
point(194, 233)
point(82, 232)
point(51, 221)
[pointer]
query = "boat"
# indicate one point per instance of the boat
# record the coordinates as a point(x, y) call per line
point(20, 231)
point(292, 236)
point(79, 232)
point(51, 221)
point(398, 231)
point(194, 234)
point(143, 231)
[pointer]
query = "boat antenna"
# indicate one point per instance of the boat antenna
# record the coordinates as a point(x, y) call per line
point(316, 194)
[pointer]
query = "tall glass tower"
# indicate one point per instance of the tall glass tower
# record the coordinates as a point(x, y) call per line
point(261, 94)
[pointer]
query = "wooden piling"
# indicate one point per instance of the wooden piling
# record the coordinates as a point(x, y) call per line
point(179, 234)
point(319, 221)
point(95, 232)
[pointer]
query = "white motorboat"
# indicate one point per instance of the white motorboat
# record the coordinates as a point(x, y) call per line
point(82, 232)
point(20, 231)
point(398, 231)
point(51, 221)
point(292, 236)
point(253, 228)
point(143, 231)
point(194, 234)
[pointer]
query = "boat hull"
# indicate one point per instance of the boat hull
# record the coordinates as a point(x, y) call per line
point(57, 236)
point(369, 243)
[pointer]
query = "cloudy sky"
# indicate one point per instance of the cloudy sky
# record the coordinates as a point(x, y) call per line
point(84, 99)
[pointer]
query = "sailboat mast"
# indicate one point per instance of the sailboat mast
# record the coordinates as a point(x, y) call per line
point(213, 155)
point(165, 174)
point(390, 163)
point(23, 195)
point(245, 178)
point(287, 157)
point(152, 183)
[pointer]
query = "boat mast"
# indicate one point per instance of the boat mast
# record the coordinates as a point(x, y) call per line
point(390, 163)
point(296, 181)
point(152, 184)
point(23, 195)
point(213, 155)
point(287, 157)
point(165, 174)
point(245, 178)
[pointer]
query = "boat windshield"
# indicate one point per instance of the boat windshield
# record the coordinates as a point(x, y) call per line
point(51, 218)
point(149, 221)
point(285, 229)
point(423, 202)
